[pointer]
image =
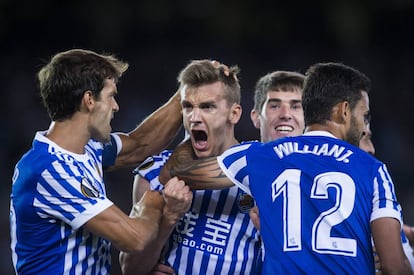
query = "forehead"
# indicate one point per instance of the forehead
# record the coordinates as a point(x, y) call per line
point(293, 94)
point(109, 86)
point(207, 92)
point(363, 103)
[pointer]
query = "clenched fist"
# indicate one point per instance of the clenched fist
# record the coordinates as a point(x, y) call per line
point(178, 198)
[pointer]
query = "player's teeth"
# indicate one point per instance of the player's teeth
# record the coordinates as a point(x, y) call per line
point(284, 128)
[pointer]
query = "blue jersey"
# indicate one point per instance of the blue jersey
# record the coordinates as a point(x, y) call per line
point(216, 236)
point(317, 196)
point(54, 193)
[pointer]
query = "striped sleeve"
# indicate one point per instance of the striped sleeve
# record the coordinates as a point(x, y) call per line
point(151, 167)
point(64, 192)
point(384, 201)
point(233, 162)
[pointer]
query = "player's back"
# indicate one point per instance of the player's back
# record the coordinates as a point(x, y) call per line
point(316, 196)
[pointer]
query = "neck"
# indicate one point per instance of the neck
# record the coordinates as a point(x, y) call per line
point(69, 135)
point(329, 126)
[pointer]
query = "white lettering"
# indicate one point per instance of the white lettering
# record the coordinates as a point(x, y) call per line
point(285, 149)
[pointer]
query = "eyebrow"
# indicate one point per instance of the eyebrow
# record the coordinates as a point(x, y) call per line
point(290, 101)
point(204, 103)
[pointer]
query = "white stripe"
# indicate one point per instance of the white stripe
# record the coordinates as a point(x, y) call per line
point(388, 191)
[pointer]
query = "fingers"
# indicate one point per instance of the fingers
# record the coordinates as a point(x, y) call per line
point(218, 65)
point(254, 216)
point(177, 189)
point(178, 198)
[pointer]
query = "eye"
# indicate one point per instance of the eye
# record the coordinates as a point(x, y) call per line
point(207, 107)
point(297, 106)
point(187, 107)
point(367, 118)
point(273, 105)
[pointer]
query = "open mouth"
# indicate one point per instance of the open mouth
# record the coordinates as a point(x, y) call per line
point(284, 129)
point(199, 139)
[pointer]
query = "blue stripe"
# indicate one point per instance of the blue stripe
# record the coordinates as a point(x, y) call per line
point(204, 209)
point(217, 215)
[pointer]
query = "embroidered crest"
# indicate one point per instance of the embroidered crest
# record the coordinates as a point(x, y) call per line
point(245, 202)
point(88, 189)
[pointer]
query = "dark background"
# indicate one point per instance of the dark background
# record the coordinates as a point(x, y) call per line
point(159, 37)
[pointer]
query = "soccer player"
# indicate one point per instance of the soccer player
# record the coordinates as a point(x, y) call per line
point(60, 217)
point(216, 235)
point(367, 145)
point(320, 197)
point(277, 111)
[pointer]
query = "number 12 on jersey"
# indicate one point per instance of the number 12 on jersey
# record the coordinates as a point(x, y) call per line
point(287, 187)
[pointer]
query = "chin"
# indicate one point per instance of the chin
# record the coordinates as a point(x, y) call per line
point(103, 138)
point(202, 154)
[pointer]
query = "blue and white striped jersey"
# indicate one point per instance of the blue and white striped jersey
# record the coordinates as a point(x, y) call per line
point(216, 236)
point(54, 193)
point(317, 196)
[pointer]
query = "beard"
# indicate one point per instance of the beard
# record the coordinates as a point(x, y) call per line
point(98, 135)
point(353, 136)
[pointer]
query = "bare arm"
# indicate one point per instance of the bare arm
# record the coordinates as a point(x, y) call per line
point(131, 233)
point(387, 240)
point(202, 173)
point(152, 135)
point(178, 200)
point(409, 232)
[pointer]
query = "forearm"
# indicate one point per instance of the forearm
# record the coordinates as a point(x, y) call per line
point(144, 261)
point(145, 224)
point(152, 135)
point(202, 173)
point(131, 233)
point(387, 241)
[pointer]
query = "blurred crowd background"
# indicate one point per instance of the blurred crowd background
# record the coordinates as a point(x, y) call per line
point(159, 37)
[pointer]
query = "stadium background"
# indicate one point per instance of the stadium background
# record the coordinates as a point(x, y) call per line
point(159, 37)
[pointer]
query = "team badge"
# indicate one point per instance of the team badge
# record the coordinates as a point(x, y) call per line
point(245, 202)
point(88, 189)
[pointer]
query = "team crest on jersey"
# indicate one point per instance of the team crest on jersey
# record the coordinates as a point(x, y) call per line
point(245, 202)
point(88, 189)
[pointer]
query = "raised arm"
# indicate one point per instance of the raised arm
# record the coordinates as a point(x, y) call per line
point(152, 135)
point(387, 240)
point(174, 209)
point(202, 173)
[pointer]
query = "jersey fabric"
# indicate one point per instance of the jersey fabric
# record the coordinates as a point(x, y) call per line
point(216, 236)
point(408, 250)
point(317, 196)
point(54, 193)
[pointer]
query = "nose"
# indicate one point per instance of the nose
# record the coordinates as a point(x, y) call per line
point(285, 112)
point(195, 115)
point(115, 107)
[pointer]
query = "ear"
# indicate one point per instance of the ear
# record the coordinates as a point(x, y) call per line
point(87, 100)
point(235, 113)
point(341, 112)
point(254, 116)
